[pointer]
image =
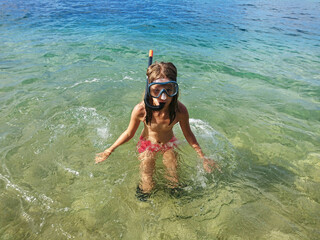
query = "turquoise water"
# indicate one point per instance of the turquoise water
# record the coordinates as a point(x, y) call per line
point(70, 73)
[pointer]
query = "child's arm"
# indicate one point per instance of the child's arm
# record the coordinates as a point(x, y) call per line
point(208, 164)
point(136, 115)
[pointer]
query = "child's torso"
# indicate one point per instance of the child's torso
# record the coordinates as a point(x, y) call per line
point(160, 129)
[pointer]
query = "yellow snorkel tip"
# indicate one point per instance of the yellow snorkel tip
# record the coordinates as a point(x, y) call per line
point(150, 53)
point(150, 57)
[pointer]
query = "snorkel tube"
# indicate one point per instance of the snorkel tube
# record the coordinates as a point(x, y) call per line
point(150, 57)
point(146, 102)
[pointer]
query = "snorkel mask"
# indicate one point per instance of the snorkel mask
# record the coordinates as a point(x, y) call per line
point(160, 88)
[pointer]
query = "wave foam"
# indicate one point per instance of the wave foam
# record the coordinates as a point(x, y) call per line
point(213, 143)
point(203, 129)
point(85, 120)
point(80, 83)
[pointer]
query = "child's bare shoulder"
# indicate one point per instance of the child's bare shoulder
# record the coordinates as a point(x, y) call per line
point(182, 113)
point(139, 110)
point(182, 108)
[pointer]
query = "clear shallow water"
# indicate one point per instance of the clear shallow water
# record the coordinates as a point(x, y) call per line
point(70, 73)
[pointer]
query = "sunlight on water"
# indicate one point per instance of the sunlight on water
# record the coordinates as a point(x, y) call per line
point(71, 72)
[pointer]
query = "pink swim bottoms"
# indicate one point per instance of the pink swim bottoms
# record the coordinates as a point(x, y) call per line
point(144, 145)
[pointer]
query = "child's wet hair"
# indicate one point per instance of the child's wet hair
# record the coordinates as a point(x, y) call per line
point(162, 70)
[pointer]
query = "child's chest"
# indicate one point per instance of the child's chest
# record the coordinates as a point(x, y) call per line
point(160, 124)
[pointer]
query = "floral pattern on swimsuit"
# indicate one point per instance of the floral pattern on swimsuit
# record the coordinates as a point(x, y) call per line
point(144, 145)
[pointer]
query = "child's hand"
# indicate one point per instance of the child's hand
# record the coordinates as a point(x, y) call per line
point(209, 165)
point(100, 157)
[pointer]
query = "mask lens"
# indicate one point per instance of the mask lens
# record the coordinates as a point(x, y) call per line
point(156, 89)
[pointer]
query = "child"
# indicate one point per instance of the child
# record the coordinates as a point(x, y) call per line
point(157, 135)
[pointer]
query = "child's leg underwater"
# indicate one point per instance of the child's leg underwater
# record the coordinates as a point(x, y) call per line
point(147, 166)
point(171, 164)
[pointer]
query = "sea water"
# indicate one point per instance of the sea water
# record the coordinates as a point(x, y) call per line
point(70, 74)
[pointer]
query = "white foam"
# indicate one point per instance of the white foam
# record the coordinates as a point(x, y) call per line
point(57, 130)
point(65, 209)
point(86, 112)
point(79, 83)
point(103, 132)
point(214, 145)
point(59, 229)
point(127, 78)
point(24, 194)
point(27, 217)
point(120, 180)
point(45, 200)
point(91, 117)
point(80, 117)
point(74, 172)
point(203, 128)
point(83, 82)
point(200, 178)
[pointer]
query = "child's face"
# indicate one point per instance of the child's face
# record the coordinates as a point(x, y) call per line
point(164, 98)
